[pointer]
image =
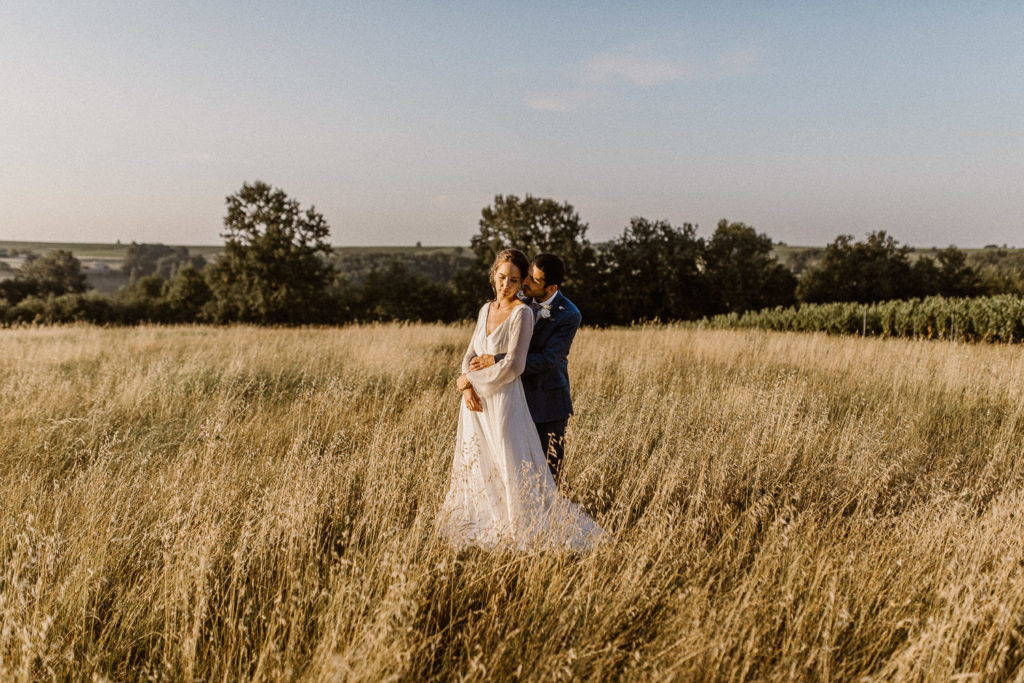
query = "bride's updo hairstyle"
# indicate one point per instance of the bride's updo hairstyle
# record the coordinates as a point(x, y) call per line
point(513, 256)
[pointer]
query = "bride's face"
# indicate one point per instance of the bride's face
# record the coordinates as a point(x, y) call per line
point(507, 280)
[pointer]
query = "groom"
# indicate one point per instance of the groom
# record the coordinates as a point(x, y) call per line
point(546, 377)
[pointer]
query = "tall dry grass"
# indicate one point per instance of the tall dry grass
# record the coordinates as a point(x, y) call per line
point(224, 504)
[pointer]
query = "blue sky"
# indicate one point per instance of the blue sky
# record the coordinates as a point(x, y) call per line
point(399, 121)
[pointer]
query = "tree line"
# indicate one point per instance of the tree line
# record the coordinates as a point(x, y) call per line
point(278, 267)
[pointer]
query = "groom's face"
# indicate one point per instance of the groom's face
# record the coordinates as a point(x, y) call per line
point(534, 285)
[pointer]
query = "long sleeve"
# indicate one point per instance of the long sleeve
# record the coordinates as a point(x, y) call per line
point(470, 354)
point(470, 350)
point(490, 379)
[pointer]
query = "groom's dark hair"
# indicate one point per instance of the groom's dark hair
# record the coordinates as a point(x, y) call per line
point(554, 271)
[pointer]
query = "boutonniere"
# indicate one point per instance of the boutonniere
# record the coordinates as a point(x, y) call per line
point(545, 311)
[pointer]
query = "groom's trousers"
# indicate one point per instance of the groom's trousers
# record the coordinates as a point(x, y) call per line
point(552, 438)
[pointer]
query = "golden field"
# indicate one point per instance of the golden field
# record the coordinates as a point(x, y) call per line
point(204, 503)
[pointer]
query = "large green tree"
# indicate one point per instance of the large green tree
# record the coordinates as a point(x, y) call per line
point(533, 225)
point(742, 273)
point(273, 268)
point(877, 269)
point(652, 271)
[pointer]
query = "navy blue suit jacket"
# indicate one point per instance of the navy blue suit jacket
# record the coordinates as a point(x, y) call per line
point(546, 376)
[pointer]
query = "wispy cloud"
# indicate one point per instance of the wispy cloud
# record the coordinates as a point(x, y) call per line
point(641, 71)
point(639, 67)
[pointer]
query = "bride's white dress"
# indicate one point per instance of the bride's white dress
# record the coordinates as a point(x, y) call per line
point(502, 492)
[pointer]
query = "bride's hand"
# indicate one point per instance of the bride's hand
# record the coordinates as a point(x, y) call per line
point(472, 400)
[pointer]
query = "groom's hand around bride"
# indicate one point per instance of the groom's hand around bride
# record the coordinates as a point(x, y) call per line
point(481, 362)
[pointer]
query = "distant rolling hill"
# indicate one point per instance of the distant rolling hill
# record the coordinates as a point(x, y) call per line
point(102, 262)
point(114, 254)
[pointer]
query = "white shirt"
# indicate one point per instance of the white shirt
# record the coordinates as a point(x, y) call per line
point(549, 299)
point(540, 306)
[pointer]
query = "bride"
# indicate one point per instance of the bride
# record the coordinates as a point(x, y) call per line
point(502, 492)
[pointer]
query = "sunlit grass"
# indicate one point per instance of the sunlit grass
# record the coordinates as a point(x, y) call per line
point(240, 503)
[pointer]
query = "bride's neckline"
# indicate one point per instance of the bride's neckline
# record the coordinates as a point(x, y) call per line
point(498, 326)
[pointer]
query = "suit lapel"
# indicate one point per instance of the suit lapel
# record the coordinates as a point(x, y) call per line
point(542, 329)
